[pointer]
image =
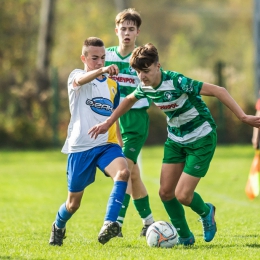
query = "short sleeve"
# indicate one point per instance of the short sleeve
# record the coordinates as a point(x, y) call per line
point(188, 85)
point(138, 92)
point(73, 75)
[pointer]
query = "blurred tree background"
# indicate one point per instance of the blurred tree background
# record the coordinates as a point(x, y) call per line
point(40, 44)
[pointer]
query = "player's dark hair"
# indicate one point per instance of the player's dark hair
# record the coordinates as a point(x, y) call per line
point(129, 14)
point(144, 56)
point(91, 41)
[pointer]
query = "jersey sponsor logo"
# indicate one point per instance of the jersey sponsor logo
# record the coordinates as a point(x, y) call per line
point(101, 106)
point(123, 79)
point(166, 107)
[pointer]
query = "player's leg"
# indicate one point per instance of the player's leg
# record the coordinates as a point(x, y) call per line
point(113, 163)
point(134, 128)
point(172, 168)
point(170, 175)
point(81, 169)
point(123, 210)
point(199, 156)
point(141, 199)
point(65, 212)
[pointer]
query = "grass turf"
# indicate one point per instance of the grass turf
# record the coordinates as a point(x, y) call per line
point(33, 186)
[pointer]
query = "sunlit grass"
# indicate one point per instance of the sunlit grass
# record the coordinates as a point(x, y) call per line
point(33, 186)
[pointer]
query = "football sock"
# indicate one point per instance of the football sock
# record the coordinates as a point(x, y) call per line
point(115, 200)
point(62, 216)
point(123, 210)
point(198, 205)
point(143, 207)
point(176, 214)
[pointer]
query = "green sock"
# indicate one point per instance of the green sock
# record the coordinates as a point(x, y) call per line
point(198, 205)
point(143, 207)
point(176, 214)
point(122, 212)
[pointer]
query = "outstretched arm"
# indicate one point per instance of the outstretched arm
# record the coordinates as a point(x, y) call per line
point(92, 74)
point(223, 95)
point(120, 110)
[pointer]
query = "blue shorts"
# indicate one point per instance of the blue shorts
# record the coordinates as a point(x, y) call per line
point(81, 167)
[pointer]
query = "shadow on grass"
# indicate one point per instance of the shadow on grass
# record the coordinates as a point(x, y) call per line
point(219, 246)
point(253, 245)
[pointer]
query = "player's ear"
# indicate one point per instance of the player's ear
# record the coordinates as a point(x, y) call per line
point(116, 30)
point(138, 31)
point(83, 58)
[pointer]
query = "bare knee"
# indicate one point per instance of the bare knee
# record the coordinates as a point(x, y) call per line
point(166, 195)
point(122, 175)
point(184, 198)
point(72, 206)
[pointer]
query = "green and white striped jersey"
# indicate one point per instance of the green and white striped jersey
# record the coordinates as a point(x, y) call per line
point(188, 117)
point(127, 77)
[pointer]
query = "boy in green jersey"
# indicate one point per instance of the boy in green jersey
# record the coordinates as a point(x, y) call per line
point(191, 140)
point(135, 123)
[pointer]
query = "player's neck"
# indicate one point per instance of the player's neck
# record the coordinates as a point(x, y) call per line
point(125, 50)
point(157, 80)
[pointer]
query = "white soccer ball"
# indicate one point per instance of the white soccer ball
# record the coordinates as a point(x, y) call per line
point(161, 234)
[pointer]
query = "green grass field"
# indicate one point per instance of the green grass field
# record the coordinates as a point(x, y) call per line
point(33, 186)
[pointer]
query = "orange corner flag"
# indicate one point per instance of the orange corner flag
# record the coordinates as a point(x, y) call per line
point(252, 185)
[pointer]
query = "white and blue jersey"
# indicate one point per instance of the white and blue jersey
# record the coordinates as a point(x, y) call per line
point(90, 104)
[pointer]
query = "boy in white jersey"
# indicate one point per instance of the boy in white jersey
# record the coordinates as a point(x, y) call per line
point(134, 125)
point(92, 99)
point(191, 136)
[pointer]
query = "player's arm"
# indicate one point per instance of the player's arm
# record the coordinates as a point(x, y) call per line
point(102, 128)
point(90, 75)
point(118, 134)
point(223, 95)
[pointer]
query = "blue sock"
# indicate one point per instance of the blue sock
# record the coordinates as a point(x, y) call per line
point(115, 201)
point(62, 216)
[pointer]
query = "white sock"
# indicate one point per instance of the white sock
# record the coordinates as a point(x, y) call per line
point(148, 220)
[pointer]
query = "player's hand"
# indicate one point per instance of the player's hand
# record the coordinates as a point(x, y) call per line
point(252, 120)
point(101, 128)
point(111, 70)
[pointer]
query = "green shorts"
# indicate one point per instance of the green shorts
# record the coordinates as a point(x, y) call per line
point(197, 156)
point(134, 128)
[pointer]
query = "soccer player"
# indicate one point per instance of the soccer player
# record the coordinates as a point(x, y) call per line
point(134, 124)
point(92, 99)
point(191, 140)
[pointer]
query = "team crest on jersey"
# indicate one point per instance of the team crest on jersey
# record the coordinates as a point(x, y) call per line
point(131, 70)
point(101, 106)
point(168, 95)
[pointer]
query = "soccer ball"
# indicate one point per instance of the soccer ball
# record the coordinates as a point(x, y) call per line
point(161, 234)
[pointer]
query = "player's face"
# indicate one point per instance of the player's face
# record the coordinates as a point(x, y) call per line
point(95, 58)
point(150, 76)
point(127, 33)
